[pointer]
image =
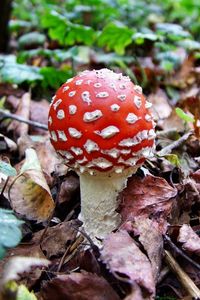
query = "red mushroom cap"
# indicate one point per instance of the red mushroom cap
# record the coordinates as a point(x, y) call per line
point(99, 120)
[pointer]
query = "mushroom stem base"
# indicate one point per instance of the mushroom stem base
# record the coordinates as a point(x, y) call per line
point(99, 202)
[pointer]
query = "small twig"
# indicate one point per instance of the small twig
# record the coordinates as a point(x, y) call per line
point(6, 115)
point(168, 149)
point(184, 279)
point(71, 250)
point(180, 252)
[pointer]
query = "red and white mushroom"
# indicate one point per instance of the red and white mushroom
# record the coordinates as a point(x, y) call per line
point(100, 123)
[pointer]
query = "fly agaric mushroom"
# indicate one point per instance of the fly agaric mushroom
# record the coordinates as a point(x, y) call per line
point(100, 124)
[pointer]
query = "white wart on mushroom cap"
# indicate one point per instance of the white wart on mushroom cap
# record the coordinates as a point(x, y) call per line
point(100, 121)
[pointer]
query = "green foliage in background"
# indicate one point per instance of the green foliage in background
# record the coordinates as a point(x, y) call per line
point(61, 31)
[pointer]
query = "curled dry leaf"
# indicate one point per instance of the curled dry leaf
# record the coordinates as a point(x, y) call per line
point(19, 264)
point(190, 240)
point(78, 286)
point(148, 196)
point(23, 110)
point(122, 256)
point(29, 193)
point(7, 144)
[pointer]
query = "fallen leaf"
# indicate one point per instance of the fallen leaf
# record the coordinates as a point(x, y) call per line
point(161, 108)
point(19, 264)
point(39, 113)
point(29, 193)
point(151, 239)
point(7, 144)
point(78, 286)
point(23, 110)
point(189, 239)
point(121, 256)
point(68, 188)
point(58, 237)
point(148, 197)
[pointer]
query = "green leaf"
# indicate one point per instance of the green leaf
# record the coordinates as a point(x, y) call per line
point(139, 37)
point(115, 37)
point(31, 38)
point(7, 169)
point(183, 115)
point(65, 32)
point(21, 291)
point(10, 233)
point(12, 72)
point(173, 159)
point(54, 78)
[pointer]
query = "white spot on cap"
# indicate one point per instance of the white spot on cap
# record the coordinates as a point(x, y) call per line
point(77, 150)
point(92, 116)
point(138, 89)
point(74, 133)
point(89, 81)
point(86, 97)
point(148, 117)
point(50, 120)
point(100, 74)
point(113, 86)
point(100, 162)
point(91, 146)
point(154, 124)
point(115, 107)
point(102, 95)
point(60, 114)
point(97, 85)
point(82, 161)
point(111, 152)
point(108, 132)
point(152, 134)
point(142, 135)
point(79, 82)
point(65, 88)
point(128, 142)
point(148, 104)
point(72, 109)
point(70, 79)
point(120, 76)
point(125, 151)
point(72, 93)
point(54, 136)
point(61, 135)
point(121, 97)
point(57, 103)
point(66, 154)
point(122, 86)
point(132, 118)
point(137, 101)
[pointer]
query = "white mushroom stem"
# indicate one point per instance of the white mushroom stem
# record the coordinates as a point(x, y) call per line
point(99, 202)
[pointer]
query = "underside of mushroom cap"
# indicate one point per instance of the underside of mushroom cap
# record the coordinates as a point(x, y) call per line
point(100, 121)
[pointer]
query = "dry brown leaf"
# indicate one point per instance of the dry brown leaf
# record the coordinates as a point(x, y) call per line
point(78, 286)
point(23, 110)
point(47, 156)
point(7, 144)
point(190, 240)
point(148, 196)
point(19, 264)
point(29, 193)
point(122, 256)
point(151, 239)
point(39, 113)
point(68, 187)
point(58, 237)
point(161, 108)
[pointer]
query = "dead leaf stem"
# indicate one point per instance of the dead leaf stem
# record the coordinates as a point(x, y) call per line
point(168, 149)
point(6, 115)
point(180, 252)
point(184, 279)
